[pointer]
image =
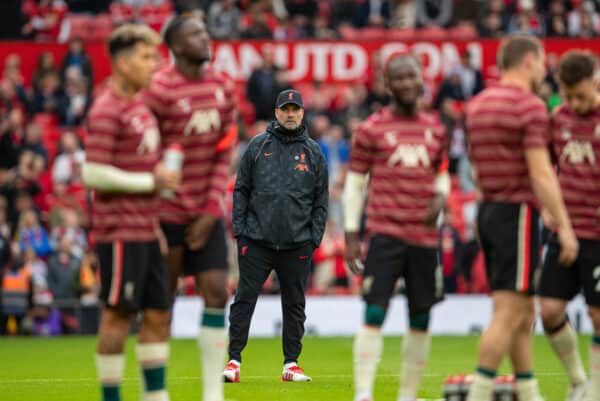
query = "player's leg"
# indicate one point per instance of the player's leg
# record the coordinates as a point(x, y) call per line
point(293, 268)
point(424, 288)
point(255, 263)
point(510, 240)
point(115, 321)
point(152, 349)
point(385, 260)
point(589, 268)
point(175, 235)
point(556, 287)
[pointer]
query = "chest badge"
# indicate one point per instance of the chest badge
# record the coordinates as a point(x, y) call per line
point(301, 165)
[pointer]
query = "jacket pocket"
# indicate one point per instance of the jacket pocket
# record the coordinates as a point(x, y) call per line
point(262, 221)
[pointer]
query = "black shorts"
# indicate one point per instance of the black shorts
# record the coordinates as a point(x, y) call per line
point(562, 282)
point(510, 238)
point(390, 258)
point(212, 256)
point(133, 276)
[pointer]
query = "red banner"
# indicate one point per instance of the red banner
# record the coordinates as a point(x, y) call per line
point(327, 61)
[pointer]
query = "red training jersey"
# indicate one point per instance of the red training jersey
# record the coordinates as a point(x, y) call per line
point(502, 122)
point(402, 155)
point(576, 147)
point(198, 114)
point(123, 133)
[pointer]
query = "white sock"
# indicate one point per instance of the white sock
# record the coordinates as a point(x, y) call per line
point(153, 358)
point(110, 370)
point(593, 393)
point(482, 388)
point(289, 365)
point(415, 350)
point(368, 346)
point(213, 349)
point(528, 390)
point(564, 344)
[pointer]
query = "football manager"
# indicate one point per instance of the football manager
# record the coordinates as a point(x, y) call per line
point(279, 212)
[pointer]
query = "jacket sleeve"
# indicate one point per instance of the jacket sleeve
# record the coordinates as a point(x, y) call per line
point(321, 201)
point(241, 192)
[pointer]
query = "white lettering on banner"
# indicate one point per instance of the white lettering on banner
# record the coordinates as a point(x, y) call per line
point(358, 62)
point(343, 316)
point(336, 61)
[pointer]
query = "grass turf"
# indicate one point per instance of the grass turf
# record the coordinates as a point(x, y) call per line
point(62, 369)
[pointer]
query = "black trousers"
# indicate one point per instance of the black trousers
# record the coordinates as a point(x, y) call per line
point(255, 264)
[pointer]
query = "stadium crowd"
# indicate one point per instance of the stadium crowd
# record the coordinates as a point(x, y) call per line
point(44, 216)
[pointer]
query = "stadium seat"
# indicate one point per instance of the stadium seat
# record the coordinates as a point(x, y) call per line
point(432, 33)
point(465, 32)
point(401, 34)
point(372, 33)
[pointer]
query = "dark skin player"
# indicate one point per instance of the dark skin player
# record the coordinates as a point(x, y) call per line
point(404, 83)
point(191, 49)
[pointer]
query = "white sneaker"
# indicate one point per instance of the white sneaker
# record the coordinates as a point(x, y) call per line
point(294, 373)
point(363, 397)
point(577, 392)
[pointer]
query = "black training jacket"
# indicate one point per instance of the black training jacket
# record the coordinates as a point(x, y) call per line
point(281, 192)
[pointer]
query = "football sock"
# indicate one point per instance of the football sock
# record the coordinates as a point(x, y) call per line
point(527, 387)
point(212, 342)
point(593, 392)
point(563, 340)
point(368, 346)
point(153, 358)
point(110, 372)
point(415, 350)
point(482, 388)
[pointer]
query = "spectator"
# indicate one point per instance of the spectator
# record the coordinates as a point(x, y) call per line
point(556, 21)
point(466, 12)
point(224, 20)
point(403, 14)
point(372, 13)
point(526, 20)
point(453, 119)
point(32, 235)
point(71, 155)
point(69, 227)
point(330, 264)
point(494, 19)
point(321, 29)
point(89, 278)
point(262, 87)
point(5, 229)
point(583, 19)
point(305, 8)
point(450, 252)
point(258, 24)
point(20, 186)
point(32, 141)
point(434, 12)
point(470, 77)
point(9, 147)
point(336, 151)
point(342, 13)
point(45, 65)
point(12, 69)
point(16, 291)
point(45, 19)
point(48, 97)
point(78, 58)
point(451, 87)
point(39, 275)
point(76, 101)
point(63, 282)
point(377, 97)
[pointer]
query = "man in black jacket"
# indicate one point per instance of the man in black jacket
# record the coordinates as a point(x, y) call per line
point(279, 213)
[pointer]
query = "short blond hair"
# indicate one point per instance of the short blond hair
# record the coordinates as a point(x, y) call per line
point(127, 36)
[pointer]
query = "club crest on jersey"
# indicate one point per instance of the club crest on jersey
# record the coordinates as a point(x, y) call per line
point(150, 141)
point(184, 105)
point(390, 138)
point(566, 134)
point(202, 122)
point(578, 152)
point(428, 135)
point(220, 96)
point(301, 166)
point(409, 156)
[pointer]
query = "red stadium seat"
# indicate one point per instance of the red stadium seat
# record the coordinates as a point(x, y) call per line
point(465, 32)
point(372, 33)
point(432, 33)
point(401, 34)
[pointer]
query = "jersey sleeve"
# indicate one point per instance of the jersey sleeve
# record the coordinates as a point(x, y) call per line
point(362, 150)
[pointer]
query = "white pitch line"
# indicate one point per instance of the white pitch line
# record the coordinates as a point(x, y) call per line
point(193, 378)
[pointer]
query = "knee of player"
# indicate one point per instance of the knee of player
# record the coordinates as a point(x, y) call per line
point(552, 313)
point(419, 320)
point(375, 315)
point(216, 298)
point(157, 321)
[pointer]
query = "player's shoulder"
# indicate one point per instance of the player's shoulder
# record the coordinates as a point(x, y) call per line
point(105, 104)
point(561, 111)
point(373, 120)
point(431, 118)
point(220, 77)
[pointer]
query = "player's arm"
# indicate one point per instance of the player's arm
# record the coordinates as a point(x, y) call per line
point(544, 182)
point(353, 196)
point(321, 204)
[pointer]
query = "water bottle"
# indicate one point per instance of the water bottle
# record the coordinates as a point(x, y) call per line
point(173, 161)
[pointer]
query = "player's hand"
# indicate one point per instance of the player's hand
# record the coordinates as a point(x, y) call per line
point(165, 179)
point(433, 211)
point(198, 233)
point(569, 246)
point(353, 253)
point(548, 220)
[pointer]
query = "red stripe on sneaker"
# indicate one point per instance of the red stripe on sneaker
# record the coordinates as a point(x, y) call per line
point(117, 273)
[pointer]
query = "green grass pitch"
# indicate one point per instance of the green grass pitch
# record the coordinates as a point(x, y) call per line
point(62, 369)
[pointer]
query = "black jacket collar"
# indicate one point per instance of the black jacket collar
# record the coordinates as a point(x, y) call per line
point(285, 135)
